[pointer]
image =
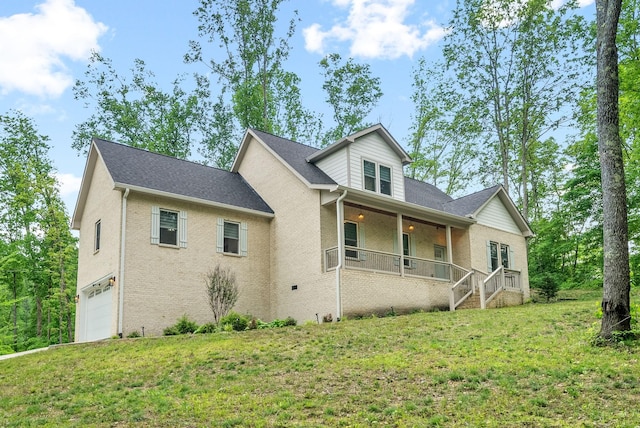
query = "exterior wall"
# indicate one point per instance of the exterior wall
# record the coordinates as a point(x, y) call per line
point(478, 237)
point(104, 204)
point(163, 283)
point(336, 166)
point(372, 147)
point(495, 215)
point(296, 250)
point(365, 293)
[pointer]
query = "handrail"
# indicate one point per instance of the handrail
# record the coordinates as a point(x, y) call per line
point(496, 277)
point(469, 291)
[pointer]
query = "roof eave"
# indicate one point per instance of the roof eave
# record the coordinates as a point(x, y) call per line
point(200, 201)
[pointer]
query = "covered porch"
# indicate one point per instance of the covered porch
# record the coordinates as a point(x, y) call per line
point(414, 246)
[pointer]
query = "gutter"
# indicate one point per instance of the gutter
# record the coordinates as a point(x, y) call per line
point(123, 236)
point(340, 221)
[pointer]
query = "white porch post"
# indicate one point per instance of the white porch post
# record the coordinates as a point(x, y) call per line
point(449, 251)
point(340, 230)
point(400, 246)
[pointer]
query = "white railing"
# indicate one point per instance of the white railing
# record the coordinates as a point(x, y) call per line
point(380, 261)
point(461, 290)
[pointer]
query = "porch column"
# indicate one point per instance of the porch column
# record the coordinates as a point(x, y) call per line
point(340, 230)
point(400, 246)
point(449, 251)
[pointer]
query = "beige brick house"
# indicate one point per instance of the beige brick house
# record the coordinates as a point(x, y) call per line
point(307, 233)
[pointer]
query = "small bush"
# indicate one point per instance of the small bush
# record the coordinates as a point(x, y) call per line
point(206, 328)
point(183, 326)
point(546, 283)
point(134, 334)
point(236, 321)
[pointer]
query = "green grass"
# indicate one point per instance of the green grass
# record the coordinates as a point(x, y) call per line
point(532, 366)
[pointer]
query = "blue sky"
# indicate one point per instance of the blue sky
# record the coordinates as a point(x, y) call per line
point(44, 46)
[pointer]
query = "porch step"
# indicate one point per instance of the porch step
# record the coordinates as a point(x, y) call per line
point(471, 302)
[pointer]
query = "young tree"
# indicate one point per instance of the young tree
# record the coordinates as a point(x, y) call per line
point(442, 132)
point(34, 225)
point(249, 66)
point(615, 300)
point(351, 91)
point(512, 62)
point(136, 111)
point(222, 291)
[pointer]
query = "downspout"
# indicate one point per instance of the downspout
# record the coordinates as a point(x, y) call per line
point(340, 224)
point(123, 236)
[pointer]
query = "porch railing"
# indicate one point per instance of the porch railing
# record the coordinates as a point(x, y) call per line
point(461, 290)
point(379, 261)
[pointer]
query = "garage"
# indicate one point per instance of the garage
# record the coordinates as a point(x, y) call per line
point(97, 314)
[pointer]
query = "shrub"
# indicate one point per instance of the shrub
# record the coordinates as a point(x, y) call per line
point(134, 334)
point(183, 326)
point(206, 328)
point(546, 283)
point(236, 321)
point(222, 291)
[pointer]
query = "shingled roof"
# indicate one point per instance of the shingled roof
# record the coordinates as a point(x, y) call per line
point(295, 154)
point(132, 167)
point(468, 205)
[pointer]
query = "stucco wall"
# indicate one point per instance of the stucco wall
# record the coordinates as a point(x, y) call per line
point(162, 283)
point(104, 204)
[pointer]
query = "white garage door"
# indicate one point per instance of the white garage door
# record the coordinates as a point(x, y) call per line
point(98, 314)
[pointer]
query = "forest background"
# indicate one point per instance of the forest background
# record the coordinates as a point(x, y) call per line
point(510, 100)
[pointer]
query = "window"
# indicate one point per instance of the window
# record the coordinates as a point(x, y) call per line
point(385, 180)
point(168, 227)
point(96, 242)
point(499, 255)
point(351, 239)
point(231, 237)
point(377, 177)
point(370, 176)
point(405, 249)
point(504, 255)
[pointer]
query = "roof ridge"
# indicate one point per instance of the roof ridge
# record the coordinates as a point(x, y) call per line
point(284, 138)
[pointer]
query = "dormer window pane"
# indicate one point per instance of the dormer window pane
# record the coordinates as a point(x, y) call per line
point(385, 180)
point(370, 176)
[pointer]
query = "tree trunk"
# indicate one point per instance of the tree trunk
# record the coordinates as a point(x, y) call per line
point(615, 300)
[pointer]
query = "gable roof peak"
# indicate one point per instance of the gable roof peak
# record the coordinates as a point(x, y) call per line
point(349, 139)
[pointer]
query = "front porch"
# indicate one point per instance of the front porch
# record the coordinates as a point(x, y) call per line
point(454, 285)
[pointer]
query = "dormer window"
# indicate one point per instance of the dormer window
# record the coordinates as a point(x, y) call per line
point(377, 178)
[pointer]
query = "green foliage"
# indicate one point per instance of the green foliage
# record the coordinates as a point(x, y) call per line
point(546, 283)
point(207, 328)
point(236, 321)
point(183, 326)
point(352, 92)
point(134, 334)
point(287, 322)
point(136, 111)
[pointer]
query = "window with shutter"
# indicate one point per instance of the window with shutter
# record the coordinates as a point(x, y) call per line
point(168, 227)
point(231, 237)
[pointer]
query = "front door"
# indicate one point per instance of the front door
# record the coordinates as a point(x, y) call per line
point(440, 255)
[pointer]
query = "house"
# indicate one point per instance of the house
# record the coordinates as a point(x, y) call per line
point(307, 233)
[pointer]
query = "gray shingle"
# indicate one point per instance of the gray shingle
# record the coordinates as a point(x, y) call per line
point(295, 154)
point(469, 204)
point(136, 167)
point(424, 194)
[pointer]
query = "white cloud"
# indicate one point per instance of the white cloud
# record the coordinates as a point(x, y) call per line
point(69, 184)
point(376, 29)
point(33, 62)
